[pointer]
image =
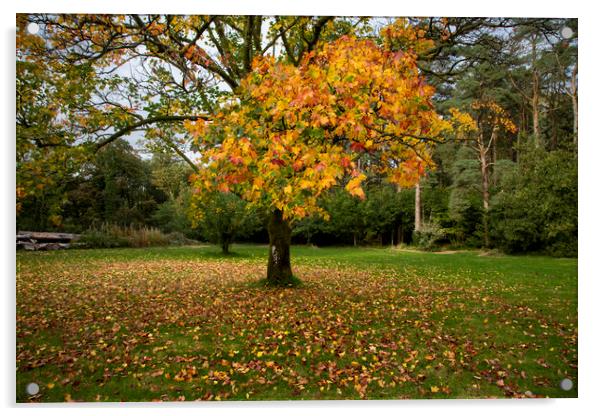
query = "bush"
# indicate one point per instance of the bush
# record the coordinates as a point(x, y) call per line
point(429, 236)
point(109, 236)
point(178, 239)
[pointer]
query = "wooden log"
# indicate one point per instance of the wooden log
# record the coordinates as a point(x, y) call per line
point(33, 240)
point(47, 237)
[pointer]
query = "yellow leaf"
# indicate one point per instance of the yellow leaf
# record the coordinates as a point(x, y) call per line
point(305, 184)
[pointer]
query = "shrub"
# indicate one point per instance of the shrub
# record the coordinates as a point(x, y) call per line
point(109, 235)
point(429, 236)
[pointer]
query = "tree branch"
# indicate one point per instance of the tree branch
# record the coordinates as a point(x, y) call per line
point(180, 153)
point(151, 120)
point(318, 27)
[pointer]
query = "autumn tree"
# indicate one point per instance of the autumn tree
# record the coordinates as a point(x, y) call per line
point(112, 76)
point(481, 130)
point(297, 131)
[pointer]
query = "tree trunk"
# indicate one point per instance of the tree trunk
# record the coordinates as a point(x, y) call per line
point(279, 261)
point(417, 210)
point(225, 242)
point(485, 190)
point(574, 102)
point(535, 109)
point(575, 118)
point(225, 247)
point(535, 96)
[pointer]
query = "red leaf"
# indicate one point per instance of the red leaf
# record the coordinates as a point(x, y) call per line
point(357, 147)
point(278, 162)
point(237, 160)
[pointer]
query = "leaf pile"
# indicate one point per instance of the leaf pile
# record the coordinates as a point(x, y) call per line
point(177, 329)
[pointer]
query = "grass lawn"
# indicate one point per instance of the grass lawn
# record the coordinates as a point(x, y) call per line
point(188, 324)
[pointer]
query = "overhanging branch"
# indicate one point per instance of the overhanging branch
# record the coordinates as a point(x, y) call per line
point(150, 120)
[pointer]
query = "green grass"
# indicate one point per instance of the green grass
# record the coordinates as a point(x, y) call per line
point(187, 323)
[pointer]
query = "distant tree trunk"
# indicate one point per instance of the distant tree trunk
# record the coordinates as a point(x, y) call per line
point(484, 164)
point(279, 261)
point(354, 239)
point(554, 103)
point(535, 109)
point(494, 159)
point(225, 242)
point(225, 247)
point(575, 103)
point(535, 96)
point(417, 209)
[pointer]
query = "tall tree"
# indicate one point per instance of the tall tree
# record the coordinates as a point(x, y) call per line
point(300, 130)
point(490, 120)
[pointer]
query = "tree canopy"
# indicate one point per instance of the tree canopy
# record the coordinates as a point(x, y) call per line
point(295, 131)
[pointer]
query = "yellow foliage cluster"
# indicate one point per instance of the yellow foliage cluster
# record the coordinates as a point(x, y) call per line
point(298, 131)
point(495, 114)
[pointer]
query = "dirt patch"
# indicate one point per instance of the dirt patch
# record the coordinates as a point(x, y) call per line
point(491, 253)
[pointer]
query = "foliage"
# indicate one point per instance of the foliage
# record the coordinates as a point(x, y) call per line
point(429, 235)
point(114, 186)
point(465, 202)
point(297, 131)
point(222, 218)
point(172, 216)
point(384, 215)
point(536, 209)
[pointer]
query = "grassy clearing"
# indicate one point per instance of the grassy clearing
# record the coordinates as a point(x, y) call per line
point(189, 324)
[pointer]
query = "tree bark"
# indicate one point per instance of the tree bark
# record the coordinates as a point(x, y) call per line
point(535, 109)
point(485, 191)
point(225, 247)
point(279, 261)
point(574, 102)
point(535, 96)
point(417, 210)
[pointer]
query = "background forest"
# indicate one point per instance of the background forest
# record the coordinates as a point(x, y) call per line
point(512, 188)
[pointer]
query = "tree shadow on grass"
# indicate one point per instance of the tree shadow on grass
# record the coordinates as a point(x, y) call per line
point(264, 283)
point(224, 256)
